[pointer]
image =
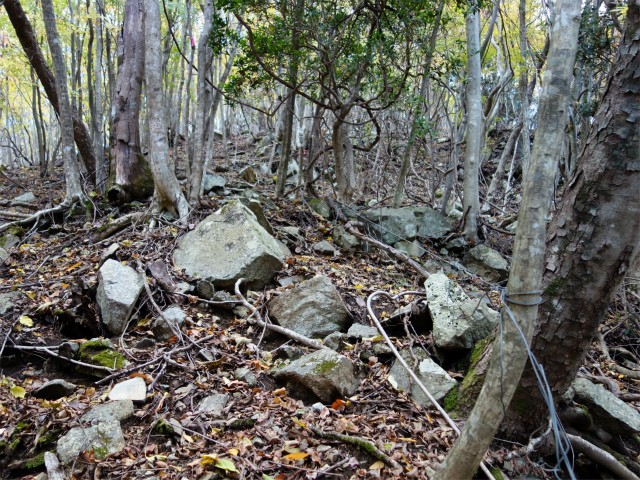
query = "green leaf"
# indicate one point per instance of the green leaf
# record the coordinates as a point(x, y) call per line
point(226, 465)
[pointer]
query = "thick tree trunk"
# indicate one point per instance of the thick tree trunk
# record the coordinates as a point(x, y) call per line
point(471, 199)
point(71, 168)
point(168, 194)
point(593, 238)
point(130, 175)
point(525, 279)
point(26, 35)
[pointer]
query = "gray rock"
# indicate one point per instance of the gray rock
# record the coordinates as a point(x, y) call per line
point(55, 389)
point(456, 245)
point(512, 227)
point(205, 289)
point(68, 349)
point(285, 250)
point(359, 331)
point(228, 245)
point(223, 296)
point(184, 287)
point(241, 311)
point(8, 241)
point(454, 211)
point(118, 410)
point(256, 209)
point(324, 248)
point(118, 290)
point(258, 197)
point(7, 301)
point(104, 439)
point(323, 374)
point(430, 222)
point(392, 224)
point(334, 341)
point(313, 309)
point(289, 352)
point(295, 279)
point(3, 254)
point(321, 207)
point(134, 389)
point(246, 375)
point(458, 321)
point(349, 242)
point(108, 253)
point(212, 182)
point(161, 329)
point(249, 174)
point(28, 197)
point(413, 249)
point(437, 380)
point(487, 263)
point(214, 403)
point(293, 231)
point(607, 410)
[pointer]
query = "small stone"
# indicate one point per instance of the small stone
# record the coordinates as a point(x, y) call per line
point(68, 349)
point(258, 442)
point(293, 231)
point(413, 249)
point(28, 197)
point(289, 352)
point(8, 241)
point(205, 289)
point(317, 407)
point(214, 403)
point(134, 389)
point(324, 248)
point(162, 330)
point(55, 389)
point(108, 253)
point(183, 287)
point(321, 207)
point(359, 331)
point(118, 410)
point(3, 254)
point(334, 341)
point(246, 375)
point(241, 311)
point(7, 301)
point(104, 439)
point(222, 296)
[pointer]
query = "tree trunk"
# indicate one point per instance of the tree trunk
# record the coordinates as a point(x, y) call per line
point(130, 175)
point(98, 138)
point(205, 55)
point(71, 169)
point(471, 199)
point(343, 154)
point(593, 238)
point(168, 194)
point(26, 35)
point(42, 158)
point(525, 279)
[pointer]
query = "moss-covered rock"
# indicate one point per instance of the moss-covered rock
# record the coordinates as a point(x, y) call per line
point(471, 385)
point(100, 353)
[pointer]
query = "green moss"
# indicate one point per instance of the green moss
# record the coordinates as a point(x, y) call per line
point(35, 462)
point(325, 366)
point(14, 444)
point(17, 231)
point(450, 402)
point(163, 428)
point(497, 474)
point(47, 438)
point(479, 347)
point(100, 353)
point(555, 286)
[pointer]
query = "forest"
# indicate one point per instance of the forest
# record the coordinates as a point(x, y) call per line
point(301, 239)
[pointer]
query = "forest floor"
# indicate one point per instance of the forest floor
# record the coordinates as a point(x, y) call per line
point(56, 268)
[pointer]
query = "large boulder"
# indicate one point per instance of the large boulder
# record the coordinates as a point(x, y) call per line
point(458, 321)
point(118, 290)
point(228, 245)
point(487, 263)
point(607, 410)
point(430, 222)
point(313, 309)
point(323, 374)
point(437, 381)
point(392, 224)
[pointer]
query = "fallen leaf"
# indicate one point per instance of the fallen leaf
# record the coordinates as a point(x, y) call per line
point(26, 321)
point(233, 451)
point(17, 391)
point(226, 465)
point(377, 465)
point(296, 456)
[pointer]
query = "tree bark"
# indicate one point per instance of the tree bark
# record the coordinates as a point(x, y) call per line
point(471, 199)
point(98, 137)
point(168, 194)
point(130, 175)
point(26, 35)
point(525, 279)
point(71, 168)
point(593, 238)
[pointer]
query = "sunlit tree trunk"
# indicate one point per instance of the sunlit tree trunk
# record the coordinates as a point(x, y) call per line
point(98, 138)
point(525, 279)
point(168, 194)
point(74, 191)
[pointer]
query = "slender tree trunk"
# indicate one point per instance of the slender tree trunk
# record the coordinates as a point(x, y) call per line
point(593, 238)
point(98, 138)
point(525, 279)
point(42, 159)
point(406, 158)
point(343, 154)
point(194, 180)
point(130, 175)
point(26, 35)
point(71, 168)
point(471, 199)
point(168, 194)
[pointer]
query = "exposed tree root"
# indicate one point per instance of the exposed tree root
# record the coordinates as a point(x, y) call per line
point(601, 457)
point(117, 225)
point(33, 219)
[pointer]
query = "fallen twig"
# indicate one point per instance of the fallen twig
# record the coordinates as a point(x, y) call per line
point(601, 457)
point(634, 374)
point(360, 442)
